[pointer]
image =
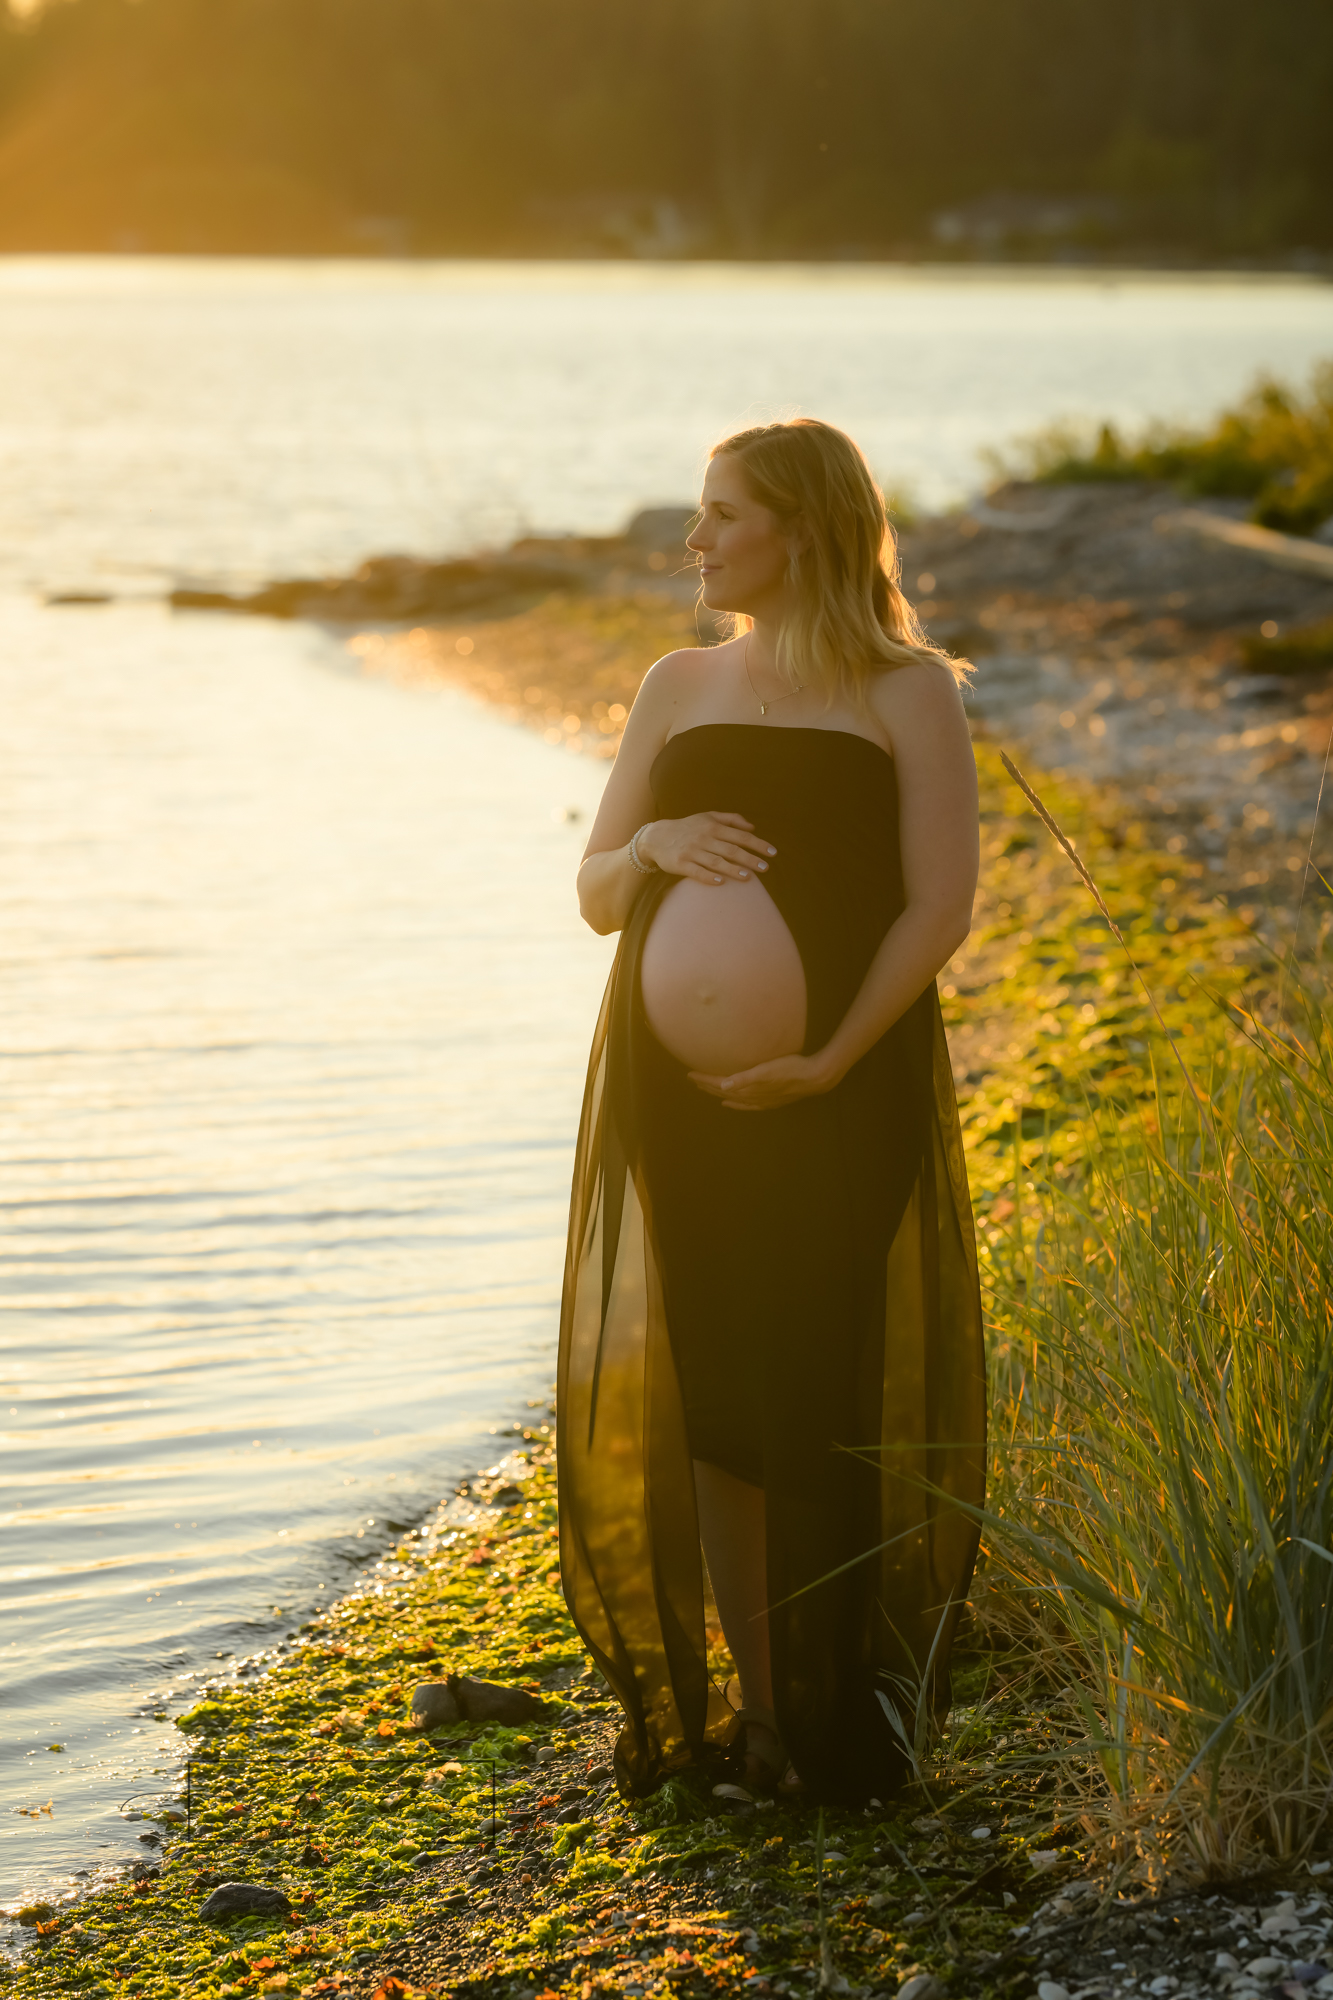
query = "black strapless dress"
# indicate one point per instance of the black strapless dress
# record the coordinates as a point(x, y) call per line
point(790, 1294)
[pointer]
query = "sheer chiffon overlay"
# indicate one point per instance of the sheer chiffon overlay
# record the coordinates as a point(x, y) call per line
point(790, 1294)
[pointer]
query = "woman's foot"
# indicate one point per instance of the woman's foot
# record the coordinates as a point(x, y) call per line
point(764, 1760)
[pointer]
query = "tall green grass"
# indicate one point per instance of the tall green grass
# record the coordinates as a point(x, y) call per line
point(1275, 449)
point(1162, 1496)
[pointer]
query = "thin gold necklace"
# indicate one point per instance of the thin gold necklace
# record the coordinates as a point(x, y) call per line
point(764, 706)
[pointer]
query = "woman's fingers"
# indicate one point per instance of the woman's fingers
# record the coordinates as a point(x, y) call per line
point(728, 1086)
point(766, 1087)
point(710, 847)
point(744, 834)
point(737, 859)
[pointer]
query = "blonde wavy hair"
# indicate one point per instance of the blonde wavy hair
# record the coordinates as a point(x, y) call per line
point(850, 619)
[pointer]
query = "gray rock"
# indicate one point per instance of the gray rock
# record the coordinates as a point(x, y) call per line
point(245, 1899)
point(460, 1699)
point(925, 1986)
point(662, 527)
point(433, 1704)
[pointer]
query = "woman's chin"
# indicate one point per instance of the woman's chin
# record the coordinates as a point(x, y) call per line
point(716, 597)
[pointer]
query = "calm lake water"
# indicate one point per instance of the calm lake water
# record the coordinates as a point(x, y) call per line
point(294, 994)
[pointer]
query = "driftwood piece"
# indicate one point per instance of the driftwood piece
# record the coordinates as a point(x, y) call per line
point(1294, 552)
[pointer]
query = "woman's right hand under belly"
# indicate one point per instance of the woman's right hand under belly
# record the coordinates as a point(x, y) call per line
point(722, 981)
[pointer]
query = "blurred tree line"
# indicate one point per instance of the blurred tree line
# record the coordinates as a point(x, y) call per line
point(670, 127)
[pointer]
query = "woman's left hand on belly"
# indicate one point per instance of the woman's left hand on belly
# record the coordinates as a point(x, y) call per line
point(769, 1085)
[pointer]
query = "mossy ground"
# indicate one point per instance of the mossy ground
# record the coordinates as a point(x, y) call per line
point(310, 1777)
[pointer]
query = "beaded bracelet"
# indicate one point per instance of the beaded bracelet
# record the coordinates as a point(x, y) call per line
point(641, 867)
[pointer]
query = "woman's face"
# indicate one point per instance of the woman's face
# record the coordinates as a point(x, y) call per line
point(743, 553)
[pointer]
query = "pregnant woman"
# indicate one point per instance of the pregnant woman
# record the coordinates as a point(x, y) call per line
point(771, 1374)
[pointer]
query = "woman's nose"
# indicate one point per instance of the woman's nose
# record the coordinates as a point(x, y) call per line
point(697, 540)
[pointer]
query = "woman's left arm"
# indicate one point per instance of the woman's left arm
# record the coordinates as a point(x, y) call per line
point(921, 710)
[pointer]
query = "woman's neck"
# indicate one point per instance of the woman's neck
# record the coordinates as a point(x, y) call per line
point(761, 643)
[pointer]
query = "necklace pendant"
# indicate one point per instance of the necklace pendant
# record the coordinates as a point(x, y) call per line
point(763, 708)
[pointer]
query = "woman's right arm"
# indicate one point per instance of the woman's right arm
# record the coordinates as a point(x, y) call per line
point(706, 846)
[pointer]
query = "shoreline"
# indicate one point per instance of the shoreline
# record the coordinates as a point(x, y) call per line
point(1318, 271)
point(1108, 651)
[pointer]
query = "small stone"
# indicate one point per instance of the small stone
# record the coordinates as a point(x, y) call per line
point(733, 1792)
point(1164, 1983)
point(1256, 687)
point(915, 1917)
point(245, 1899)
point(1266, 1968)
point(925, 1986)
point(1043, 1858)
point(981, 1833)
point(598, 1773)
point(548, 1754)
point(1047, 1989)
point(1308, 1975)
point(1224, 1962)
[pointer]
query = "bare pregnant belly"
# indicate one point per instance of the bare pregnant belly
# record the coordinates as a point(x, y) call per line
point(722, 981)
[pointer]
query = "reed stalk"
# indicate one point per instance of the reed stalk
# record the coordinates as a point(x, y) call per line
point(1162, 1493)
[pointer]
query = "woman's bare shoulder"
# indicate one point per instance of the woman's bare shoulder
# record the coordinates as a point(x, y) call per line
point(921, 693)
point(676, 679)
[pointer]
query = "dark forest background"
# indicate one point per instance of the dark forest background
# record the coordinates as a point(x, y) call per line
point(1177, 129)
